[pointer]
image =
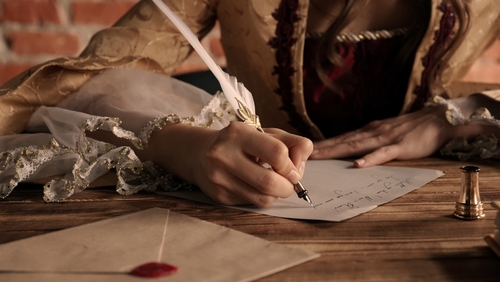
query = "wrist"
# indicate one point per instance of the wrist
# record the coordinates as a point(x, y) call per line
point(472, 130)
point(176, 148)
point(467, 117)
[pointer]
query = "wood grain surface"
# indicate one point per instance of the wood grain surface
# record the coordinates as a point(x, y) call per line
point(413, 238)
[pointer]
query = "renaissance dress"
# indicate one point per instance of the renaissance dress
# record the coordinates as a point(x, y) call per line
point(121, 83)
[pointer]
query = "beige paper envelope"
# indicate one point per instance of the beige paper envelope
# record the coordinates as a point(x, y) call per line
point(108, 250)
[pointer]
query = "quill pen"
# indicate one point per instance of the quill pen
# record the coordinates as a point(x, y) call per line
point(240, 98)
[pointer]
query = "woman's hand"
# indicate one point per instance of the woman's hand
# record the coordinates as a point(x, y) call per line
point(409, 136)
point(227, 164)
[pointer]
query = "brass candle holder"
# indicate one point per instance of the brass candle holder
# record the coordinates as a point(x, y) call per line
point(469, 205)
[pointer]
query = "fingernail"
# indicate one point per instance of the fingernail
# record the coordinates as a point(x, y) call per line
point(359, 162)
point(293, 176)
point(301, 167)
point(315, 152)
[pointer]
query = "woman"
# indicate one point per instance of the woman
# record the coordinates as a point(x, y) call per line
point(354, 76)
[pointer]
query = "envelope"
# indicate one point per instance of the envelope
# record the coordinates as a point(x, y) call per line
point(110, 249)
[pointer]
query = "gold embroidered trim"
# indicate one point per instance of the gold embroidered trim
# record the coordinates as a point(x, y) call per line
point(364, 35)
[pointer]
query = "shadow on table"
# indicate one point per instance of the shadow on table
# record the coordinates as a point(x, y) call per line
point(478, 264)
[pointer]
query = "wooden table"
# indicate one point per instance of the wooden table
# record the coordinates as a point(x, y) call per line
point(413, 238)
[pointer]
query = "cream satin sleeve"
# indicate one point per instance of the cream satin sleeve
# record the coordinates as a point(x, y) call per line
point(131, 103)
point(143, 38)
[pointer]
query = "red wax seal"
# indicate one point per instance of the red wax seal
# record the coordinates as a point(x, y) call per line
point(154, 270)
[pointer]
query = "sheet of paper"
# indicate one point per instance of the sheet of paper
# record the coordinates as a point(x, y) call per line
point(339, 191)
point(109, 249)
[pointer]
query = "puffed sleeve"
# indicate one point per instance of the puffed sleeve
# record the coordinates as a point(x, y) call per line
point(143, 38)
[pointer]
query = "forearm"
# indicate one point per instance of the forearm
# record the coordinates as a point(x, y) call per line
point(173, 148)
point(176, 148)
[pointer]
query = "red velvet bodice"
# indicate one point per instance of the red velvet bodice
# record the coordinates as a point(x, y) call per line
point(371, 85)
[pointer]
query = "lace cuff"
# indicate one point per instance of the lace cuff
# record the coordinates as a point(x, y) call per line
point(67, 151)
point(484, 146)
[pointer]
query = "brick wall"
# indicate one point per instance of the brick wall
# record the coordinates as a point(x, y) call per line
point(34, 31)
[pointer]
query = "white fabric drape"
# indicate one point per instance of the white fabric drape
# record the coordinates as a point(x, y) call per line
point(130, 103)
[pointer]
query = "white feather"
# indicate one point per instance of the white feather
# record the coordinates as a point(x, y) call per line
point(230, 86)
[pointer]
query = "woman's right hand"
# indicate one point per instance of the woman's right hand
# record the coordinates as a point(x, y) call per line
point(227, 164)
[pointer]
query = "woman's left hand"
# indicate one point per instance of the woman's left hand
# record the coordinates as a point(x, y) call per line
point(409, 136)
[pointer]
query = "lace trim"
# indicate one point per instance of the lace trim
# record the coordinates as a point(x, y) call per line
point(26, 160)
point(90, 157)
point(455, 116)
point(484, 146)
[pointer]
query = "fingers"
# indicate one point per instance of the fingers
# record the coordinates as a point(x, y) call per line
point(351, 148)
point(246, 182)
point(414, 135)
point(374, 129)
point(232, 173)
point(280, 150)
point(374, 135)
point(230, 190)
point(252, 176)
point(347, 137)
point(377, 157)
point(354, 143)
point(299, 148)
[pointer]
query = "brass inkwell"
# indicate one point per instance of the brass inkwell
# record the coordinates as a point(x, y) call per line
point(469, 205)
